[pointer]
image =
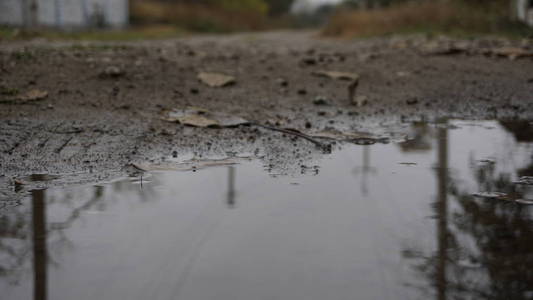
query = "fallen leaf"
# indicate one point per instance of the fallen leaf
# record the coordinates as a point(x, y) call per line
point(524, 180)
point(198, 117)
point(190, 165)
point(403, 74)
point(216, 79)
point(492, 195)
point(512, 52)
point(197, 121)
point(337, 75)
point(30, 96)
point(359, 138)
point(524, 201)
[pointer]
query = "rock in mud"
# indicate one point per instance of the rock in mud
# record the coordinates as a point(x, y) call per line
point(360, 100)
point(112, 72)
point(216, 79)
point(337, 75)
point(320, 101)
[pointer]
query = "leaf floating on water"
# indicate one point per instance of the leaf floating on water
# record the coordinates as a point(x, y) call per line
point(524, 201)
point(352, 137)
point(524, 180)
point(337, 75)
point(30, 96)
point(199, 117)
point(492, 195)
point(216, 79)
point(191, 165)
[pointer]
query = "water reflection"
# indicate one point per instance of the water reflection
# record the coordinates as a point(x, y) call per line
point(419, 234)
point(484, 248)
point(39, 244)
point(441, 207)
point(231, 187)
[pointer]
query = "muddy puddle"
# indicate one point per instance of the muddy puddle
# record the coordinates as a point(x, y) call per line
point(444, 215)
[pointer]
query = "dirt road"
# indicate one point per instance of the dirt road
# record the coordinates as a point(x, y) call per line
point(104, 104)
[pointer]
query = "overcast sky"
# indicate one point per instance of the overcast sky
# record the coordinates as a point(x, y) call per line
point(310, 5)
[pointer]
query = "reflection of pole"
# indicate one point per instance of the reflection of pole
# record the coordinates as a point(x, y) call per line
point(39, 244)
point(442, 212)
point(231, 187)
point(366, 169)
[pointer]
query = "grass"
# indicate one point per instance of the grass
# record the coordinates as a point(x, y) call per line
point(196, 17)
point(156, 20)
point(134, 33)
point(431, 17)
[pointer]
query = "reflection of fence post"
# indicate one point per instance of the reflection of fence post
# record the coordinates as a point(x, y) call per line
point(231, 187)
point(39, 245)
point(442, 213)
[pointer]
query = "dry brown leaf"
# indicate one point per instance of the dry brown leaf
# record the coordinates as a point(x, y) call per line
point(216, 79)
point(512, 52)
point(187, 165)
point(197, 121)
point(337, 75)
point(29, 96)
point(199, 117)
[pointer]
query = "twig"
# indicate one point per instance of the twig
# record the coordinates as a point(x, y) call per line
point(58, 150)
point(325, 147)
point(352, 89)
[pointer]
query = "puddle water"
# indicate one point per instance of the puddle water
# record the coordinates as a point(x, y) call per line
point(415, 220)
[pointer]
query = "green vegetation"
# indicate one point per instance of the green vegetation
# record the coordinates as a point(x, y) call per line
point(7, 91)
point(133, 33)
point(22, 55)
point(153, 19)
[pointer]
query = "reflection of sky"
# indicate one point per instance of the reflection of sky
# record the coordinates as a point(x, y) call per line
point(320, 239)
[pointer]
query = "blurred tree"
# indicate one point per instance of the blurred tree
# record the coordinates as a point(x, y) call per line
point(279, 7)
point(258, 6)
point(231, 5)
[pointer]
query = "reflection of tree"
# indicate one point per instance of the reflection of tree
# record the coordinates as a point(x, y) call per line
point(25, 233)
point(14, 249)
point(521, 130)
point(485, 247)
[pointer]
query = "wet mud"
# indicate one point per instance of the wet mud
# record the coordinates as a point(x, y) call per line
point(90, 109)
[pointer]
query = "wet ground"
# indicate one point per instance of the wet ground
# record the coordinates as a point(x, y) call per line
point(104, 101)
point(442, 213)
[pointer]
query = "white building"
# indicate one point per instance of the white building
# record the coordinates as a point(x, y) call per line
point(524, 11)
point(65, 14)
